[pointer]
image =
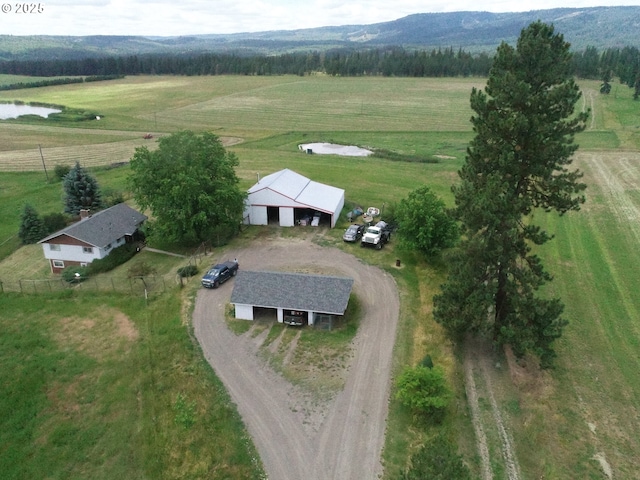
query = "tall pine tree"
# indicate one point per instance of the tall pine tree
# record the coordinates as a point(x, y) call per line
point(32, 228)
point(516, 165)
point(81, 191)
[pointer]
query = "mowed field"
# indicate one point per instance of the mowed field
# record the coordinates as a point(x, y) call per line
point(577, 421)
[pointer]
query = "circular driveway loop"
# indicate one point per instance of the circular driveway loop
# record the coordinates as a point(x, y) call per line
point(348, 441)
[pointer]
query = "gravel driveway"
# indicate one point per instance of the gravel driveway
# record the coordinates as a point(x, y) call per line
point(347, 439)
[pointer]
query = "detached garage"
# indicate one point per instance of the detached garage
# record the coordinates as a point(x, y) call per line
point(298, 299)
point(286, 197)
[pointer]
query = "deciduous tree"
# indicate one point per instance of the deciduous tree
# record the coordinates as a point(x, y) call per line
point(190, 185)
point(517, 165)
point(424, 223)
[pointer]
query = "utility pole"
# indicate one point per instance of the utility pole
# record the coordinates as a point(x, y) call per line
point(43, 165)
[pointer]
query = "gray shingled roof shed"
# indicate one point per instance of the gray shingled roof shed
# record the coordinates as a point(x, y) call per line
point(292, 291)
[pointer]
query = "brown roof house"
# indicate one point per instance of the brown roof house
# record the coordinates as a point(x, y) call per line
point(93, 237)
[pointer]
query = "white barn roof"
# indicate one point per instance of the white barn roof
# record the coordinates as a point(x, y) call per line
point(301, 191)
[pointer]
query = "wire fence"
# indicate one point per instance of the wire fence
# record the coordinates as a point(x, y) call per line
point(136, 286)
point(146, 286)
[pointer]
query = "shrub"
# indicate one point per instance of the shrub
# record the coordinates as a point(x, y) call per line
point(117, 257)
point(54, 222)
point(427, 362)
point(75, 274)
point(140, 269)
point(188, 271)
point(61, 171)
point(424, 390)
point(437, 460)
point(111, 197)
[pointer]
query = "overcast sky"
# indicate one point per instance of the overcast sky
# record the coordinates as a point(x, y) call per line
point(185, 17)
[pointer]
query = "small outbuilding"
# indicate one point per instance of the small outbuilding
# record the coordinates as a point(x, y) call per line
point(298, 299)
point(286, 198)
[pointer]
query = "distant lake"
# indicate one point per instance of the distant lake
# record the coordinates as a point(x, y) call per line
point(11, 110)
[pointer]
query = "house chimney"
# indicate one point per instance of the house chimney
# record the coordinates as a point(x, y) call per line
point(84, 213)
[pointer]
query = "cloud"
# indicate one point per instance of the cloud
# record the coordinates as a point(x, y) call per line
point(185, 17)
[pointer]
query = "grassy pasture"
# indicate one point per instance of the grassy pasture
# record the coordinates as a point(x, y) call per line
point(567, 423)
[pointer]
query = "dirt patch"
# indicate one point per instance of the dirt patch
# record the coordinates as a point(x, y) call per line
point(100, 336)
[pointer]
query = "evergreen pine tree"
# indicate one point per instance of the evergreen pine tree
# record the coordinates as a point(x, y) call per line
point(32, 228)
point(516, 165)
point(81, 191)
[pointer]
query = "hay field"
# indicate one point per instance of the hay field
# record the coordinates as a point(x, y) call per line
point(577, 421)
point(246, 107)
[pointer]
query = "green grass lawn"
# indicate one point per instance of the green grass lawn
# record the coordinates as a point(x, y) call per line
point(105, 387)
point(562, 421)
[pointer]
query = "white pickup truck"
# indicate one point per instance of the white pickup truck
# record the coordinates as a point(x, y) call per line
point(376, 235)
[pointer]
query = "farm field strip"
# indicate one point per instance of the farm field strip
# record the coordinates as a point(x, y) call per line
point(93, 155)
point(595, 260)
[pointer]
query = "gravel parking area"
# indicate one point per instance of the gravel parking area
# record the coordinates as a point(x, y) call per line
point(345, 439)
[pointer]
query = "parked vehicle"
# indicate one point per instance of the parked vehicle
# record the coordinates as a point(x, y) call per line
point(353, 233)
point(220, 273)
point(316, 219)
point(376, 235)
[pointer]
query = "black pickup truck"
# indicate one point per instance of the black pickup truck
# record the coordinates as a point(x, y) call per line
point(220, 273)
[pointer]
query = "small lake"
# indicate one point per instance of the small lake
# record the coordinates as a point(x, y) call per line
point(11, 110)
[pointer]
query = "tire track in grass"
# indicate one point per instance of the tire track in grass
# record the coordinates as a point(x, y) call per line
point(476, 420)
point(478, 361)
point(616, 188)
point(506, 441)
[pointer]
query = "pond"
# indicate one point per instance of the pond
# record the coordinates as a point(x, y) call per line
point(12, 110)
point(334, 149)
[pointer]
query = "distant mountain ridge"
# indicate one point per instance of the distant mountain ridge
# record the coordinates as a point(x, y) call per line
point(601, 27)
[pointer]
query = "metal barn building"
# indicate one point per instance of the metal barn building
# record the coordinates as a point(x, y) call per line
point(299, 299)
point(286, 197)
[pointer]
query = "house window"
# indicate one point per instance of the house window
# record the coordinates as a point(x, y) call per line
point(58, 264)
point(87, 249)
point(54, 248)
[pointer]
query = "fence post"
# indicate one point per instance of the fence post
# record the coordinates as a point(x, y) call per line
point(20, 284)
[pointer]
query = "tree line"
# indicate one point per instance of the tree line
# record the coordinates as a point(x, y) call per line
point(591, 63)
point(388, 61)
point(58, 81)
point(623, 63)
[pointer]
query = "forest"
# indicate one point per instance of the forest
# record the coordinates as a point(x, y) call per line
point(591, 63)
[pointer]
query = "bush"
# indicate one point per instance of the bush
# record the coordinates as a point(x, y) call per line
point(54, 222)
point(424, 390)
point(75, 274)
point(111, 197)
point(437, 460)
point(141, 269)
point(117, 257)
point(188, 271)
point(61, 171)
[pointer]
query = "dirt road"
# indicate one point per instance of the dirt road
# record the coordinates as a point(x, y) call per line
point(347, 440)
